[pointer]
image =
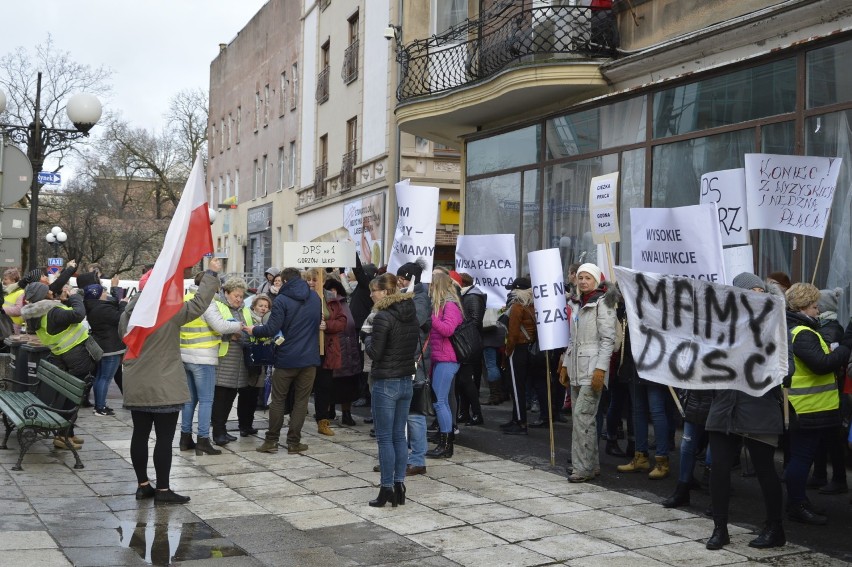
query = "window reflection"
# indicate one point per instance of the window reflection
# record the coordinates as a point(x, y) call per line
point(617, 124)
point(504, 151)
point(829, 80)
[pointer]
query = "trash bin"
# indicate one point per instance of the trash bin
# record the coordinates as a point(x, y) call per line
point(18, 358)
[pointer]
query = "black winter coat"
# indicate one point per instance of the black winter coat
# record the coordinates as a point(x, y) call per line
point(697, 404)
point(76, 361)
point(360, 302)
point(103, 317)
point(395, 337)
point(473, 305)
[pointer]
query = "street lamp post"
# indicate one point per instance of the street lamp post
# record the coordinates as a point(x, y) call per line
point(56, 236)
point(84, 110)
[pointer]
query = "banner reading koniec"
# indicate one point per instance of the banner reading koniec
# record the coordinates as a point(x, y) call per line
point(701, 335)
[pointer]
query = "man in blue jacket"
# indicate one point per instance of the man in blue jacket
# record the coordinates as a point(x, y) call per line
point(297, 315)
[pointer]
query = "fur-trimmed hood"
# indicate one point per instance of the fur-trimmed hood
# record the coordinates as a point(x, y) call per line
point(392, 299)
point(39, 308)
point(613, 297)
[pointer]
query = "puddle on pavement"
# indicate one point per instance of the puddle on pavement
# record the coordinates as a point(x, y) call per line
point(164, 544)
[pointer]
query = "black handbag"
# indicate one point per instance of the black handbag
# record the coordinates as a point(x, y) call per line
point(467, 342)
point(259, 353)
point(421, 398)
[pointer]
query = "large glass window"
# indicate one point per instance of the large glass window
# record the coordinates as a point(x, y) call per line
point(829, 79)
point(632, 180)
point(775, 248)
point(618, 124)
point(504, 151)
point(678, 167)
point(752, 93)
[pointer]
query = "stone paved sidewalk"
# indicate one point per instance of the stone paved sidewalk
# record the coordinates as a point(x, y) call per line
point(250, 508)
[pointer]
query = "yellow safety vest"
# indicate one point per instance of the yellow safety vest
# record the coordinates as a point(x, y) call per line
point(225, 310)
point(65, 340)
point(10, 300)
point(197, 333)
point(810, 392)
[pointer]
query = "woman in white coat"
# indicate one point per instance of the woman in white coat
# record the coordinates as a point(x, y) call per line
point(586, 363)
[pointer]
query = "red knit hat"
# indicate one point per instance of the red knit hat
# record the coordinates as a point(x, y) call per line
point(456, 277)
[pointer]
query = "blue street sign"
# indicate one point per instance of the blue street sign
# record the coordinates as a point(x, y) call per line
point(54, 262)
point(49, 178)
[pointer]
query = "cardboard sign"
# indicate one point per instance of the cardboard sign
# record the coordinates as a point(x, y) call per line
point(726, 188)
point(417, 218)
point(701, 335)
point(551, 308)
point(492, 262)
point(319, 254)
point(603, 208)
point(790, 193)
point(683, 241)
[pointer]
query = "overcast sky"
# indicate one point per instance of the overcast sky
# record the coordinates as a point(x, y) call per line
point(155, 48)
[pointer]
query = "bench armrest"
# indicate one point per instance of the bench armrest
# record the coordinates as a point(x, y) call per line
point(30, 413)
point(4, 383)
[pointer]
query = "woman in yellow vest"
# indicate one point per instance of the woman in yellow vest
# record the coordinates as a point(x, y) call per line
point(232, 376)
point(13, 298)
point(812, 393)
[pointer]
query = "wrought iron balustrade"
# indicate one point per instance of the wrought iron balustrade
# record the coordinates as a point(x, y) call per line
point(478, 49)
point(319, 181)
point(350, 63)
point(322, 86)
point(347, 170)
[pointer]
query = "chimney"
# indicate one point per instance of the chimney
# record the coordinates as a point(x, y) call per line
point(223, 47)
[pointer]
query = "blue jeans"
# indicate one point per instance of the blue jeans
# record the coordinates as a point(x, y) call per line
point(103, 376)
point(417, 440)
point(650, 396)
point(492, 370)
point(803, 447)
point(391, 399)
point(201, 379)
point(692, 433)
point(442, 379)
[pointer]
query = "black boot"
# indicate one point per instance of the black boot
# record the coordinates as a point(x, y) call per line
point(399, 490)
point(613, 449)
point(679, 498)
point(771, 536)
point(440, 451)
point(186, 442)
point(451, 439)
point(203, 447)
point(631, 446)
point(720, 537)
point(386, 494)
point(220, 439)
point(347, 418)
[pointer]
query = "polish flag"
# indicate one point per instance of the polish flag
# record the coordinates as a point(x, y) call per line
point(187, 241)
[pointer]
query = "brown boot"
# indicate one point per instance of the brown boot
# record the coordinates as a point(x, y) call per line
point(495, 395)
point(638, 464)
point(661, 469)
point(323, 427)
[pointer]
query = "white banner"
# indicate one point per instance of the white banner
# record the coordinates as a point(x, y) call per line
point(551, 307)
point(603, 208)
point(738, 259)
point(726, 188)
point(492, 262)
point(790, 193)
point(319, 254)
point(417, 217)
point(682, 241)
point(364, 220)
point(704, 336)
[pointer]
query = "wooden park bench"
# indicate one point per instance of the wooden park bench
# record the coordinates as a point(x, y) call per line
point(37, 412)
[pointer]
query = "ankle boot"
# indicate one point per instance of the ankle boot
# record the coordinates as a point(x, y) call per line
point(772, 535)
point(386, 494)
point(399, 490)
point(220, 439)
point(448, 449)
point(613, 449)
point(440, 451)
point(661, 469)
point(347, 419)
point(720, 537)
point(638, 464)
point(186, 442)
point(324, 428)
point(203, 447)
point(680, 497)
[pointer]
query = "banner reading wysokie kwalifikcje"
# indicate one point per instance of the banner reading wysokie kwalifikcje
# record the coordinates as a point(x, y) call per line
point(683, 241)
point(492, 262)
point(417, 219)
point(548, 288)
point(701, 335)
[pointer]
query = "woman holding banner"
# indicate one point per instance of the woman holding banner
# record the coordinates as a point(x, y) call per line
point(586, 361)
point(738, 418)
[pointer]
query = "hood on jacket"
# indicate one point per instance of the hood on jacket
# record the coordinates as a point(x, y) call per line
point(39, 308)
point(297, 289)
point(272, 272)
point(397, 305)
point(472, 290)
point(613, 297)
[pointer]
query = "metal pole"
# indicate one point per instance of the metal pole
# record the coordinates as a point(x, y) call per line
point(35, 151)
point(549, 409)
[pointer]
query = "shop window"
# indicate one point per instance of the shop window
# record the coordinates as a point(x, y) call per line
point(617, 124)
point(504, 151)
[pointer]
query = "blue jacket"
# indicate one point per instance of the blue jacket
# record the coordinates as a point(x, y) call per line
point(297, 312)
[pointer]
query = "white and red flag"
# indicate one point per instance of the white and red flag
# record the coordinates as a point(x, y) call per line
point(187, 241)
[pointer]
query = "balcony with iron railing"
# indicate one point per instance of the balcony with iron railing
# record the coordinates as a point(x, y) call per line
point(512, 57)
point(322, 85)
point(347, 170)
point(319, 180)
point(350, 63)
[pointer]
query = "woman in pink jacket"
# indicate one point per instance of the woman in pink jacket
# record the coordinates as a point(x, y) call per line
point(446, 316)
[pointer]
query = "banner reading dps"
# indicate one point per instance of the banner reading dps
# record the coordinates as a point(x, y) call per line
point(790, 193)
point(548, 288)
point(491, 260)
point(417, 217)
point(319, 254)
point(726, 188)
point(700, 335)
point(682, 241)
